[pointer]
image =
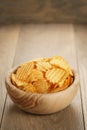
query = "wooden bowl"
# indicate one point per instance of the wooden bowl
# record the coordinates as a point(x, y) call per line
point(42, 103)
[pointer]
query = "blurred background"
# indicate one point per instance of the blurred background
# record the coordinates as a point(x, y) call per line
point(43, 11)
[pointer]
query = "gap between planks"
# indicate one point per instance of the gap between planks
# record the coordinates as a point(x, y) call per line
point(8, 41)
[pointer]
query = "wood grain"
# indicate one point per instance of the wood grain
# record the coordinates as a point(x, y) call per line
point(81, 40)
point(8, 40)
point(40, 41)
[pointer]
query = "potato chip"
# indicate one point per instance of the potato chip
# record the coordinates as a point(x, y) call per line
point(61, 82)
point(42, 59)
point(58, 89)
point(55, 85)
point(43, 66)
point(54, 75)
point(20, 83)
point(67, 82)
point(41, 86)
point(70, 71)
point(64, 86)
point(46, 59)
point(24, 71)
point(35, 75)
point(29, 88)
point(59, 62)
point(16, 81)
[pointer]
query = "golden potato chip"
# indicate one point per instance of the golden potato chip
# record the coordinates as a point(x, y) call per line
point(54, 75)
point(34, 75)
point(46, 59)
point(59, 62)
point(24, 70)
point(64, 86)
point(42, 59)
point(61, 82)
point(59, 89)
point(67, 82)
point(70, 71)
point(71, 79)
point(55, 85)
point(43, 66)
point(29, 88)
point(20, 83)
point(17, 81)
point(41, 86)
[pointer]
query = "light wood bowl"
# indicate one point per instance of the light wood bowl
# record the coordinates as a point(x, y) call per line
point(42, 103)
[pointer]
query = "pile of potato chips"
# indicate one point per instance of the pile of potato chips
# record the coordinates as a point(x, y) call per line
point(45, 75)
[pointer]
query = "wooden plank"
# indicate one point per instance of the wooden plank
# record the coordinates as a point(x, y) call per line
point(39, 41)
point(81, 40)
point(8, 39)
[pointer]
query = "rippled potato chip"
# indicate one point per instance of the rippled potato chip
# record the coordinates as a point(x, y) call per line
point(35, 75)
point(24, 71)
point(61, 82)
point(29, 88)
point(41, 86)
point(43, 66)
point(55, 75)
point(17, 81)
point(42, 59)
point(64, 86)
point(70, 71)
point(59, 61)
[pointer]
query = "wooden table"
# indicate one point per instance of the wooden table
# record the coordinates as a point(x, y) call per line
point(20, 43)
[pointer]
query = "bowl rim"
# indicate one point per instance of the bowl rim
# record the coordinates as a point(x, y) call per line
point(8, 81)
